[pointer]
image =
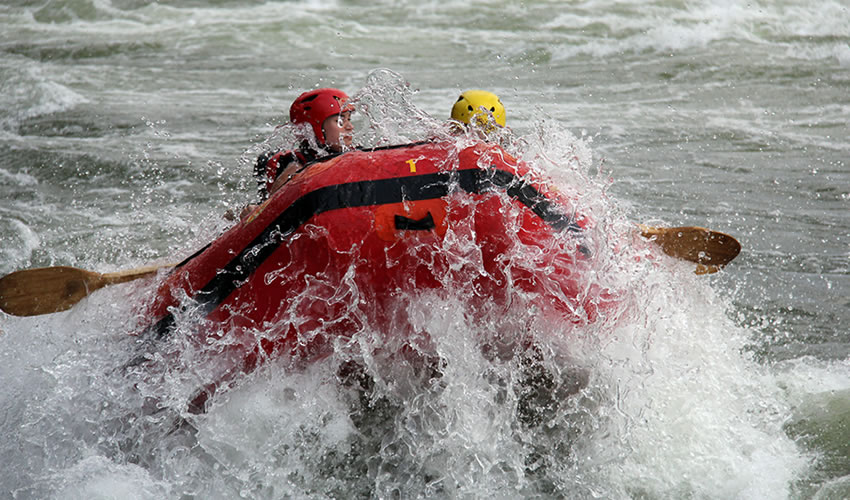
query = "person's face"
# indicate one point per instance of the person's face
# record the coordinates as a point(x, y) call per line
point(339, 132)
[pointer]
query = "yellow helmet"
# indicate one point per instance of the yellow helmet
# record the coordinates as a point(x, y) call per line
point(469, 105)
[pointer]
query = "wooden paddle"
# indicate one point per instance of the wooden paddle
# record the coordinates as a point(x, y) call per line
point(44, 290)
point(710, 250)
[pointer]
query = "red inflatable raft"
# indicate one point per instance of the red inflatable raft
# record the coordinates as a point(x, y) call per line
point(352, 237)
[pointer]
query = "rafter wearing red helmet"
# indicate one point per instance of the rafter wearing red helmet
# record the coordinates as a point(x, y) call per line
point(329, 115)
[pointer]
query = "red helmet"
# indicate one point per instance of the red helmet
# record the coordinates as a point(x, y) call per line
point(315, 106)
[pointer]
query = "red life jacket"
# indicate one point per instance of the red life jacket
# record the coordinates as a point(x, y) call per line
point(270, 165)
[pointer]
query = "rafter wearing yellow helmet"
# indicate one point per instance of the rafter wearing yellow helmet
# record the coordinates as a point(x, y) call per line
point(479, 105)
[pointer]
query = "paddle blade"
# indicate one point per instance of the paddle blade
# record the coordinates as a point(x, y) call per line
point(45, 290)
point(710, 250)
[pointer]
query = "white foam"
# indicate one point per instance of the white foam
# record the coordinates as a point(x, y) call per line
point(672, 28)
point(97, 477)
point(30, 90)
point(698, 415)
point(17, 178)
point(18, 246)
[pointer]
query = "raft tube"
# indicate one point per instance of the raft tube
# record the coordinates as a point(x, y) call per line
point(351, 237)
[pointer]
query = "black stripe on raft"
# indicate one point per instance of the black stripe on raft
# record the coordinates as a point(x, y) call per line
point(368, 193)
